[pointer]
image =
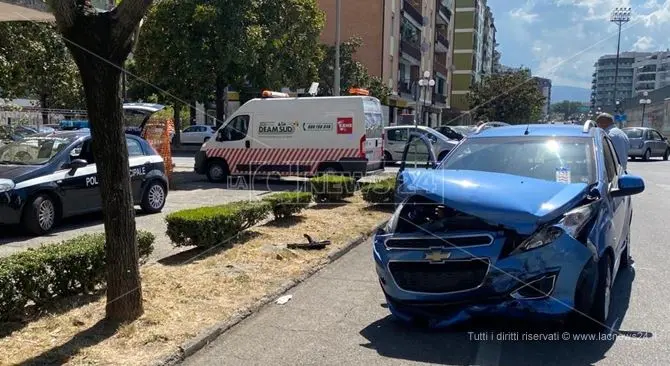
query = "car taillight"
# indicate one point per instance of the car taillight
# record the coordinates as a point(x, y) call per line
point(361, 147)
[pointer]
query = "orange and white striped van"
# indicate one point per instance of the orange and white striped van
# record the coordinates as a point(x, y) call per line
point(304, 136)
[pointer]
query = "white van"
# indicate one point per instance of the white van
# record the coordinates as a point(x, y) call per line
point(301, 136)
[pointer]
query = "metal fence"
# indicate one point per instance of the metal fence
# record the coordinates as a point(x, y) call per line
point(38, 116)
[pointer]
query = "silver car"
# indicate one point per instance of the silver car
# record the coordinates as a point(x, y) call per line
point(647, 143)
point(395, 139)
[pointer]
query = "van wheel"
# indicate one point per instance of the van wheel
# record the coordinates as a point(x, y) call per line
point(154, 198)
point(329, 169)
point(40, 215)
point(647, 155)
point(217, 172)
point(388, 158)
point(666, 154)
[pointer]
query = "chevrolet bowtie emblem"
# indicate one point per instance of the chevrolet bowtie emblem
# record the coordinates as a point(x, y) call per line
point(437, 256)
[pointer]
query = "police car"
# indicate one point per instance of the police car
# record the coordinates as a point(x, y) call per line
point(47, 177)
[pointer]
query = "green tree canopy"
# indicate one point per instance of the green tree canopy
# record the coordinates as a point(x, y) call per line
point(35, 63)
point(353, 74)
point(508, 97)
point(566, 108)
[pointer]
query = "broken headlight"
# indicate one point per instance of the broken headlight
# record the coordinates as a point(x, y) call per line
point(572, 223)
point(6, 185)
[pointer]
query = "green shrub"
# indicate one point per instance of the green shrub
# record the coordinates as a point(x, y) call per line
point(211, 226)
point(381, 192)
point(72, 267)
point(329, 188)
point(285, 204)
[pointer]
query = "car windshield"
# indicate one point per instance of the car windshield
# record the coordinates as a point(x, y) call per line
point(33, 150)
point(566, 160)
point(635, 133)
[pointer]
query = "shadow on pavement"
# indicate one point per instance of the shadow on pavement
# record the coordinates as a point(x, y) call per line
point(199, 253)
point(459, 346)
point(189, 181)
point(60, 355)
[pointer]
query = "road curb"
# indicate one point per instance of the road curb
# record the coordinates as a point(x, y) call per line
point(205, 337)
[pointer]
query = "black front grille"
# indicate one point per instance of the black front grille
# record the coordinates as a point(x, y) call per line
point(444, 277)
point(425, 243)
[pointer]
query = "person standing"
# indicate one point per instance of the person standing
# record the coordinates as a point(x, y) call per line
point(618, 137)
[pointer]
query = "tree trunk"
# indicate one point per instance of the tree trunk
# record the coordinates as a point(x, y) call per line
point(220, 95)
point(102, 84)
point(192, 113)
point(43, 106)
point(177, 124)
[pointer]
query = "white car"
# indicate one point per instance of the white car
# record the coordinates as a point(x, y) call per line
point(396, 137)
point(197, 134)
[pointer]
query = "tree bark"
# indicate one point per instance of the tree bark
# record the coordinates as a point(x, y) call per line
point(43, 106)
point(192, 113)
point(177, 124)
point(100, 43)
point(220, 99)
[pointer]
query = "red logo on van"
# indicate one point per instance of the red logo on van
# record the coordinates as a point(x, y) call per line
point(345, 126)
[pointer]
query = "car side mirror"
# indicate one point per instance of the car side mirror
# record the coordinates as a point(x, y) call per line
point(628, 185)
point(76, 164)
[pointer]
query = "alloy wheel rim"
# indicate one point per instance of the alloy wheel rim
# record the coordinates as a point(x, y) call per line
point(46, 214)
point(156, 196)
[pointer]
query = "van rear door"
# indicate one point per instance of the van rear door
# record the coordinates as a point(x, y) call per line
point(374, 129)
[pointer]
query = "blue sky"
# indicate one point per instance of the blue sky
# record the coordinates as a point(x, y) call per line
point(561, 39)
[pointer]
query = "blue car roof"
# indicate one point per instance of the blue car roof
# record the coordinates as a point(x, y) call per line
point(534, 130)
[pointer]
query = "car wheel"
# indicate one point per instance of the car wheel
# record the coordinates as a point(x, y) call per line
point(40, 215)
point(666, 154)
point(601, 305)
point(647, 155)
point(154, 197)
point(216, 172)
point(388, 158)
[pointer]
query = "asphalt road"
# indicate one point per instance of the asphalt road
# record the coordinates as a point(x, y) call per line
point(338, 317)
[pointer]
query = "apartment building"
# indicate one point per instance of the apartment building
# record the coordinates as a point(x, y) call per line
point(602, 84)
point(402, 39)
point(474, 48)
point(651, 72)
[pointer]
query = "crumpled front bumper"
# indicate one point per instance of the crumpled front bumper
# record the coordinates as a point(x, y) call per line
point(566, 258)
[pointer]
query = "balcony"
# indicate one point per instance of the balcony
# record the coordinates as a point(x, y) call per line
point(444, 13)
point(413, 9)
point(441, 68)
point(410, 49)
point(442, 39)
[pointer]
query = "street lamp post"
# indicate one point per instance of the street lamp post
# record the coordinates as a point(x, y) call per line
point(336, 86)
point(619, 16)
point(425, 83)
point(644, 101)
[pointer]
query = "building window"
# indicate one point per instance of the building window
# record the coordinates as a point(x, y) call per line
point(440, 86)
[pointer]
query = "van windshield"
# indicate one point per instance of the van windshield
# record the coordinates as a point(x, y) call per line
point(374, 119)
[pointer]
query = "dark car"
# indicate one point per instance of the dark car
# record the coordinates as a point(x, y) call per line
point(521, 221)
point(647, 143)
point(47, 177)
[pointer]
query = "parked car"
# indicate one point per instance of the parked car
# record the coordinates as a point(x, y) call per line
point(647, 143)
point(396, 137)
point(197, 134)
point(15, 133)
point(527, 221)
point(450, 132)
point(42, 129)
point(47, 177)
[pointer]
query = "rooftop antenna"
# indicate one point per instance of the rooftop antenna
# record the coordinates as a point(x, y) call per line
point(526, 132)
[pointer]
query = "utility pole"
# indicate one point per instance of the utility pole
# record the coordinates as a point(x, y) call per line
point(619, 16)
point(336, 82)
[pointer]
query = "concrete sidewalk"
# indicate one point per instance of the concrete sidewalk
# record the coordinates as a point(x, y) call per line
point(337, 317)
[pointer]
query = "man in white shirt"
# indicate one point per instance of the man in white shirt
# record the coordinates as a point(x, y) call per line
point(618, 137)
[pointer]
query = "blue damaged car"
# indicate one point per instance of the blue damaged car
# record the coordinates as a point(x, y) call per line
point(519, 221)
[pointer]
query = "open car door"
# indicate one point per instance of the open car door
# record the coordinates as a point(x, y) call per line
point(415, 142)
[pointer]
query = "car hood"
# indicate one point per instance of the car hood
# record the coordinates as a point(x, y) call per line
point(17, 173)
point(515, 202)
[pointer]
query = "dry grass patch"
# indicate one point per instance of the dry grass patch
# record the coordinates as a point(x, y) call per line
point(182, 300)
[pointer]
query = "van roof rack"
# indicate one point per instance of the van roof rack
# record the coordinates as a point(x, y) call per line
point(587, 126)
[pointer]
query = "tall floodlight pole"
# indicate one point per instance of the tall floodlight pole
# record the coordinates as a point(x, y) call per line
point(336, 87)
point(619, 16)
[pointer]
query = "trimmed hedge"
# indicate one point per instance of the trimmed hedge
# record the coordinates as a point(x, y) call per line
point(285, 204)
point(382, 192)
point(330, 188)
point(72, 267)
point(211, 226)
